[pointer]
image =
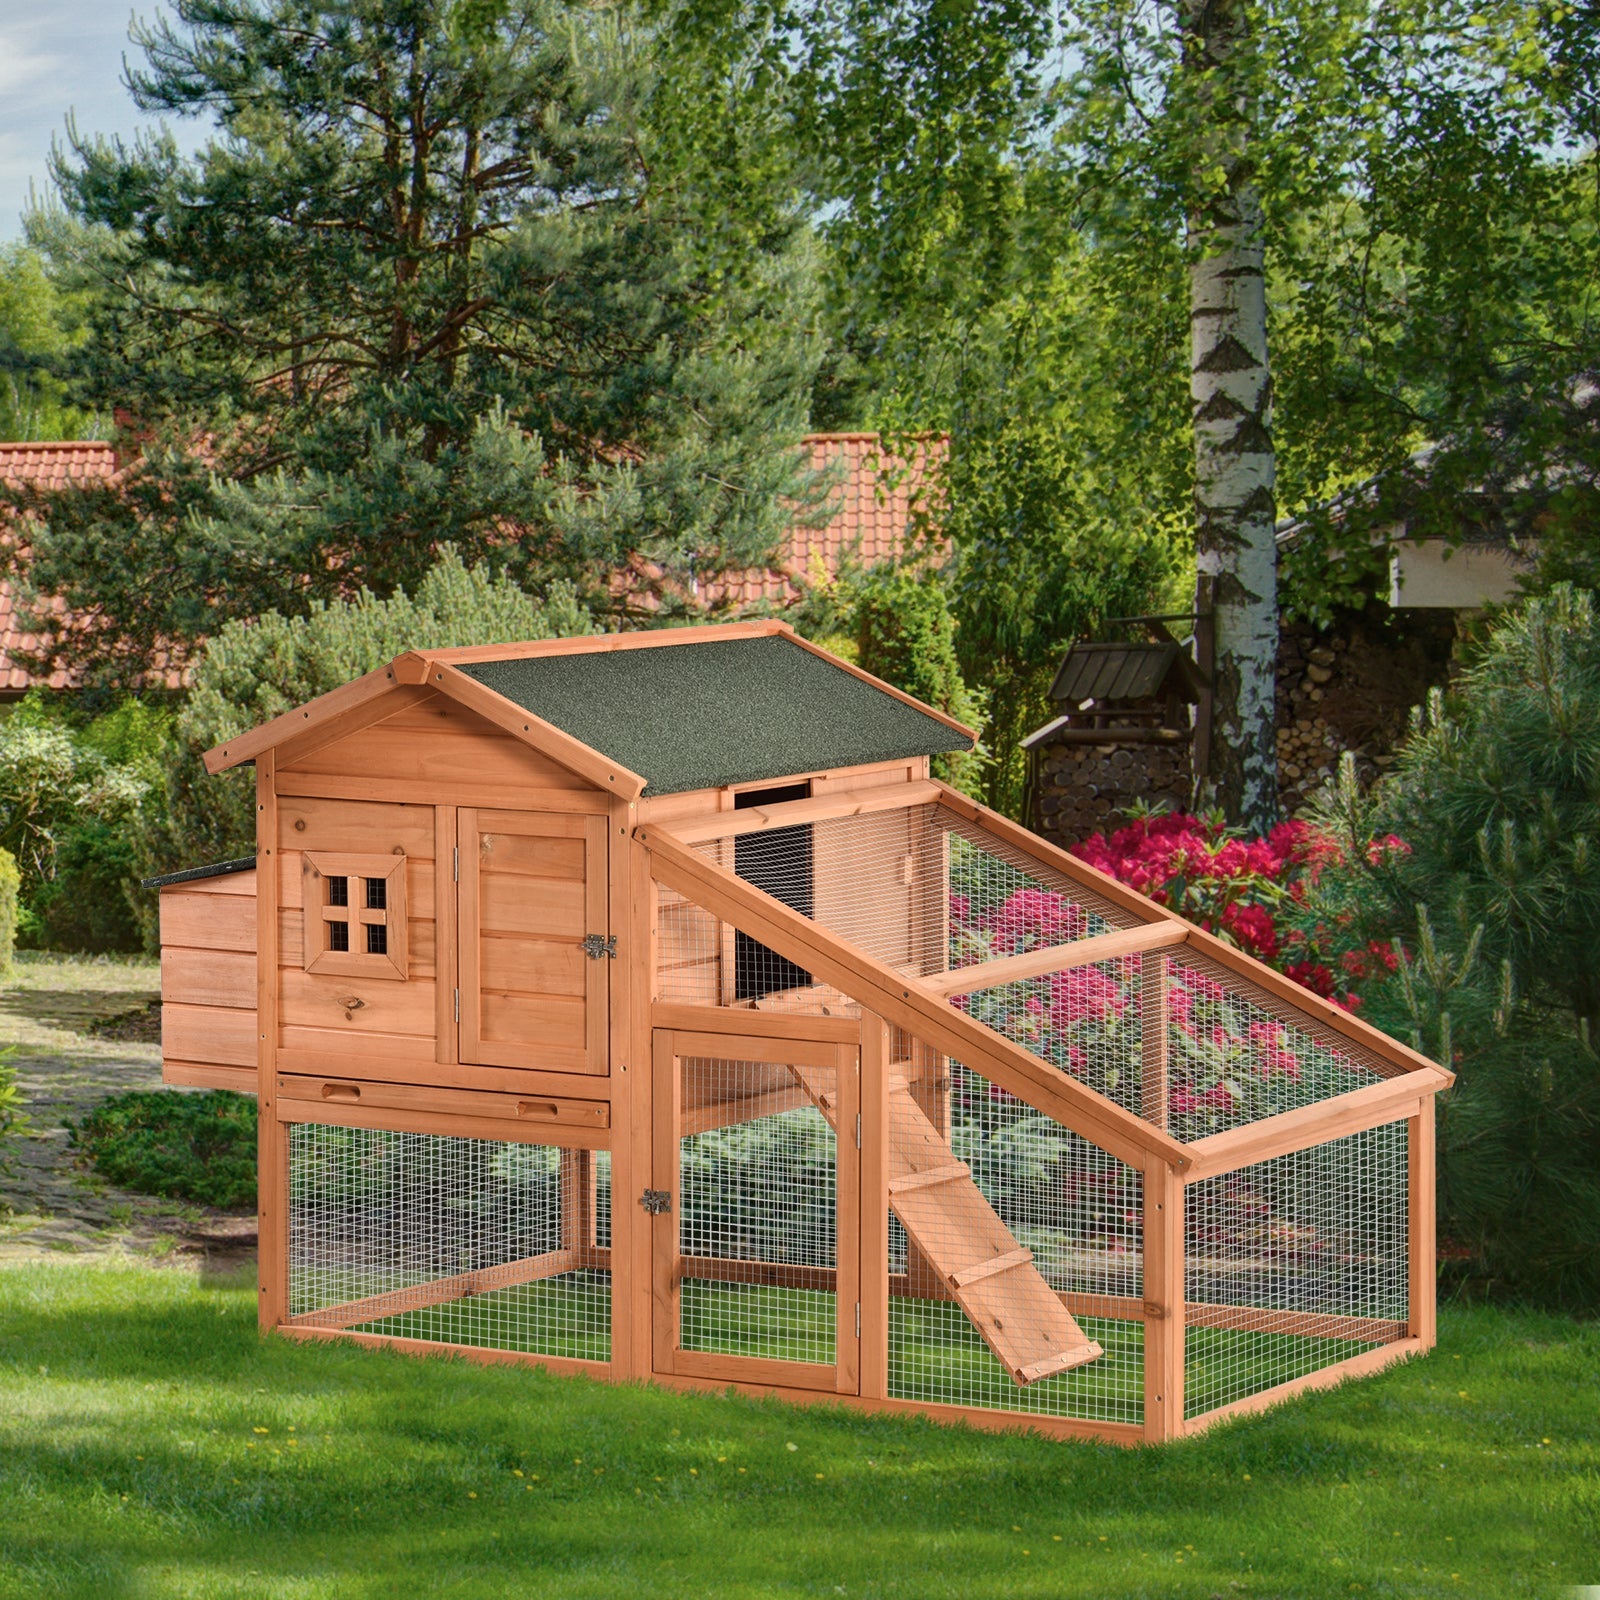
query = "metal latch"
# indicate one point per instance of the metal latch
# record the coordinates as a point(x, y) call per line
point(597, 946)
point(656, 1201)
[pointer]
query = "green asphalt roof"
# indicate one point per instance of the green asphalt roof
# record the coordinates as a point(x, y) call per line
point(693, 716)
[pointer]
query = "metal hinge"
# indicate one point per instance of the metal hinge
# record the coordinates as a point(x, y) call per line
point(656, 1201)
point(858, 1319)
point(458, 1005)
point(455, 863)
point(597, 946)
point(858, 1130)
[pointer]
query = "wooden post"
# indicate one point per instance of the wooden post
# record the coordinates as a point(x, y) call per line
point(577, 1206)
point(272, 1150)
point(665, 1277)
point(876, 1052)
point(847, 1218)
point(1163, 1302)
point(1421, 1226)
point(1154, 1099)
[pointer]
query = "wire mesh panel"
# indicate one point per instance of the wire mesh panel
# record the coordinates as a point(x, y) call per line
point(757, 1206)
point(1294, 1264)
point(1235, 1055)
point(1055, 1225)
point(500, 1246)
point(921, 889)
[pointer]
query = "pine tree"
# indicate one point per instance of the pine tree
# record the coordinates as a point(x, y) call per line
point(440, 280)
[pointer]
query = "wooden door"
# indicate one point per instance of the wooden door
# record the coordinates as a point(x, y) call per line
point(755, 1238)
point(532, 894)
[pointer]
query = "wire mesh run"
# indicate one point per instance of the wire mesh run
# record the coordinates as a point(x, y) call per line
point(922, 890)
point(496, 1246)
point(757, 1202)
point(1293, 1265)
point(1060, 1219)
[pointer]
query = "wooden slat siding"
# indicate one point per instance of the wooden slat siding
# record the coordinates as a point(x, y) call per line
point(1421, 1229)
point(589, 767)
point(552, 1112)
point(694, 804)
point(494, 797)
point(208, 977)
point(392, 1119)
point(301, 747)
point(907, 1004)
point(420, 902)
point(272, 1171)
point(878, 683)
point(561, 1366)
point(437, 1292)
point(373, 1060)
point(790, 1025)
point(348, 696)
point(421, 958)
point(1358, 1366)
point(360, 1005)
point(208, 1075)
point(1164, 1301)
point(667, 1123)
point(368, 828)
point(1354, 1112)
point(210, 921)
point(437, 759)
point(220, 1036)
point(603, 643)
point(875, 1057)
point(1283, 989)
point(532, 885)
point(790, 813)
point(1056, 958)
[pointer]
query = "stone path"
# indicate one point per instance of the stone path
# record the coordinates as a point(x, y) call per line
point(52, 1206)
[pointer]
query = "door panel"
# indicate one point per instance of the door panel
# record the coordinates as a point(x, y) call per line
point(756, 1257)
point(533, 885)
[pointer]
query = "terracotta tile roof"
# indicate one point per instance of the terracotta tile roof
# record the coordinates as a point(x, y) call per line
point(873, 504)
point(42, 466)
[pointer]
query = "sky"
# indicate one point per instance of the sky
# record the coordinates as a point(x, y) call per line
point(56, 57)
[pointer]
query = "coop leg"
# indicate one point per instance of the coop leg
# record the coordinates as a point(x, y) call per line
point(578, 1206)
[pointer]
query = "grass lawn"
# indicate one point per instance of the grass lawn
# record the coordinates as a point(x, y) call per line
point(152, 1446)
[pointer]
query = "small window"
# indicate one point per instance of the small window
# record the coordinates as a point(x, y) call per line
point(355, 915)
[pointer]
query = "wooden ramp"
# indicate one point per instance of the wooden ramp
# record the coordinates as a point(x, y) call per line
point(991, 1277)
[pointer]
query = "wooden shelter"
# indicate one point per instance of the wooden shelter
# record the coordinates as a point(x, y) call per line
point(637, 1005)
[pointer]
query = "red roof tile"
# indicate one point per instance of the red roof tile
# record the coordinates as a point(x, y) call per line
point(42, 466)
point(874, 501)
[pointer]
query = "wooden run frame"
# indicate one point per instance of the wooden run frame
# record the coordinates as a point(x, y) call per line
point(891, 999)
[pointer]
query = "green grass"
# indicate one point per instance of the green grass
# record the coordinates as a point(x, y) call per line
point(145, 1453)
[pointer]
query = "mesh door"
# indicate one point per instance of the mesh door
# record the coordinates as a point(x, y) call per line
point(497, 1246)
point(757, 1227)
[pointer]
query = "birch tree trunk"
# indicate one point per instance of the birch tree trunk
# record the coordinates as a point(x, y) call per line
point(1230, 388)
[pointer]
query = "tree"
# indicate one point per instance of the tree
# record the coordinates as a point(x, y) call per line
point(33, 339)
point(442, 279)
point(1327, 166)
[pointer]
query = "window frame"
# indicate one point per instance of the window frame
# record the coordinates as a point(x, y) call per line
point(358, 961)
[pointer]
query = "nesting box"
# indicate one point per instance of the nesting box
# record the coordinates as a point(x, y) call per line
point(638, 1006)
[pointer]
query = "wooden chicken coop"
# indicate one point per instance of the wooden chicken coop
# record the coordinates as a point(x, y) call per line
point(638, 1006)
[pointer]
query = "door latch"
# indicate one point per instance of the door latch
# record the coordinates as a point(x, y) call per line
point(656, 1201)
point(597, 946)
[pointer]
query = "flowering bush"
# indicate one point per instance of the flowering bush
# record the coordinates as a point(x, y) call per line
point(1228, 1063)
point(1256, 893)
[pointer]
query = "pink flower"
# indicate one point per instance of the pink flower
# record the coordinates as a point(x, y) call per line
point(1220, 1097)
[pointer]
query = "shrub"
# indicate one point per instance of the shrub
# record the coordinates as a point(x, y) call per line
point(197, 1147)
point(69, 799)
point(253, 671)
point(13, 1120)
point(10, 907)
